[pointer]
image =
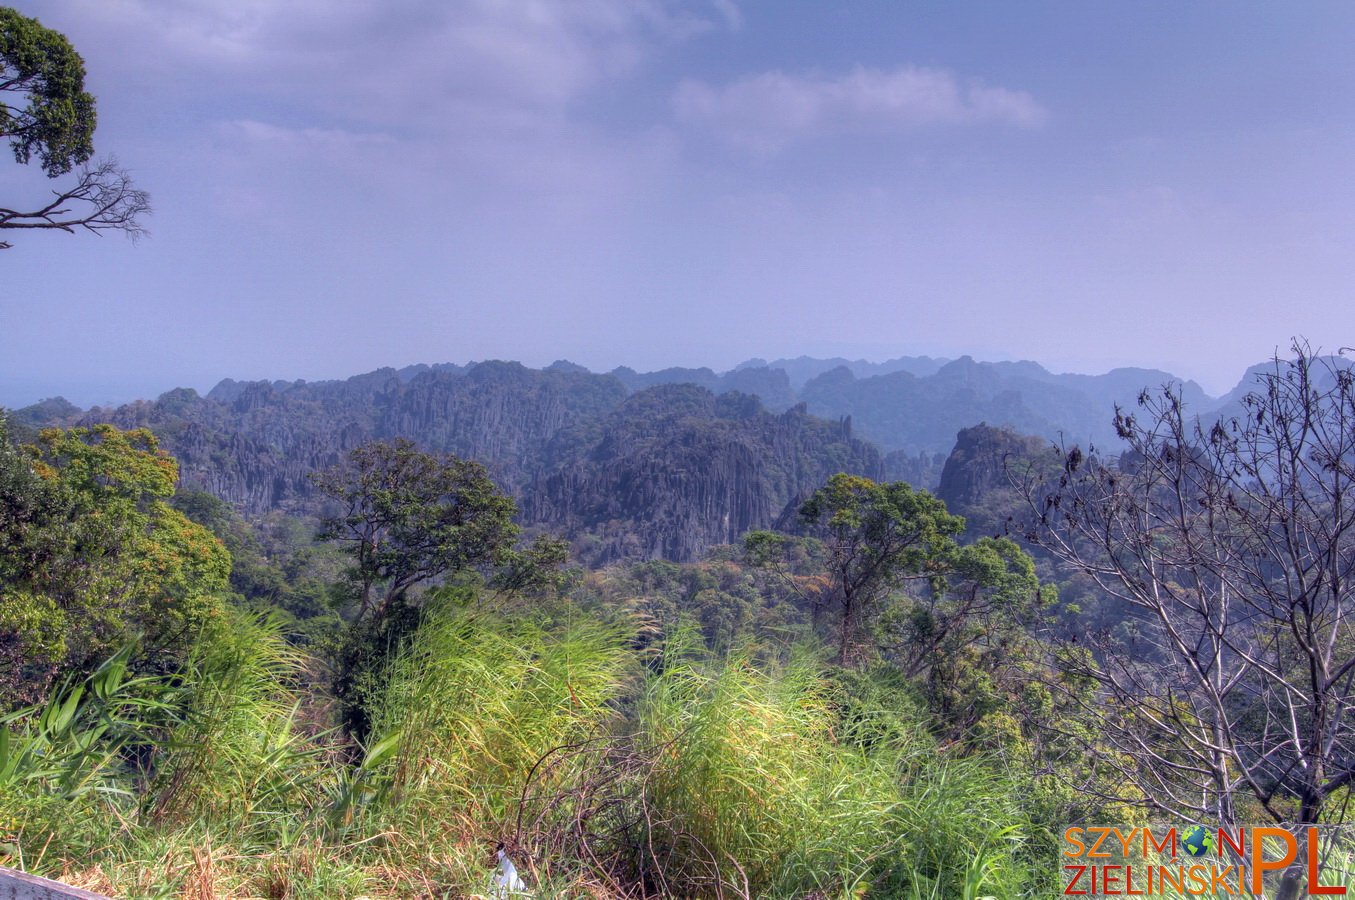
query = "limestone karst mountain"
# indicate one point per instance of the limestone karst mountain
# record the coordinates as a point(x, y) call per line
point(631, 464)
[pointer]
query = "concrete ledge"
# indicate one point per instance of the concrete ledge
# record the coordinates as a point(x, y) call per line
point(15, 885)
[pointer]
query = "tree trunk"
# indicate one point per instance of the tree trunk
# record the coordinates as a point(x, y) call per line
point(848, 627)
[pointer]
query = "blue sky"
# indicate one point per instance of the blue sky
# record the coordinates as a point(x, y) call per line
point(345, 184)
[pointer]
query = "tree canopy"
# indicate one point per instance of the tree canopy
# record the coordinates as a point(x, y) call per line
point(92, 556)
point(406, 517)
point(877, 537)
point(873, 539)
point(46, 112)
point(58, 121)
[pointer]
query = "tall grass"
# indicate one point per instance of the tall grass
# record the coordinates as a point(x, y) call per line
point(480, 715)
point(694, 776)
point(762, 786)
point(178, 769)
point(62, 777)
point(233, 752)
point(969, 833)
point(68, 746)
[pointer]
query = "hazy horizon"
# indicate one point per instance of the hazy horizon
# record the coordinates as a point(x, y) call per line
point(339, 187)
point(86, 396)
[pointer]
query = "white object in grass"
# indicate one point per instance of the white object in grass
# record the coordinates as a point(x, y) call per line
point(507, 882)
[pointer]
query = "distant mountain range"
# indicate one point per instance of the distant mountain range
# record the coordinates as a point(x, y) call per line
point(655, 464)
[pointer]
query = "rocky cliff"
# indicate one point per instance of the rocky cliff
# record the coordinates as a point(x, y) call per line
point(667, 471)
point(255, 444)
point(676, 470)
point(977, 479)
point(650, 464)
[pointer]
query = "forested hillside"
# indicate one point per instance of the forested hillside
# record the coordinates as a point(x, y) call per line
point(313, 730)
point(675, 470)
point(807, 628)
point(667, 471)
point(851, 685)
point(660, 464)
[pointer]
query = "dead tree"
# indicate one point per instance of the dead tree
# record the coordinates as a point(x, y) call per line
point(1225, 691)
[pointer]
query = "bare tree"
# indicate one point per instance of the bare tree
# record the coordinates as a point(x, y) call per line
point(1225, 693)
point(102, 199)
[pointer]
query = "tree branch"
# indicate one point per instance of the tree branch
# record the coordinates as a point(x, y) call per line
point(102, 199)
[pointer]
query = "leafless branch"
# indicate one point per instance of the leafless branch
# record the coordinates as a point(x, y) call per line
point(103, 198)
point(1230, 551)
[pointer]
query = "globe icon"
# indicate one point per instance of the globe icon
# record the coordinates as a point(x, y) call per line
point(1197, 841)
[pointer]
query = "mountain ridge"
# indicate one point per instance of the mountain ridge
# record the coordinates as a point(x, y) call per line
point(629, 464)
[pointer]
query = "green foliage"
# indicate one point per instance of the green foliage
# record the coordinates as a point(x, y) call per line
point(277, 568)
point(729, 762)
point(44, 109)
point(712, 777)
point(537, 567)
point(57, 122)
point(93, 556)
point(974, 820)
point(67, 746)
point(362, 657)
point(477, 700)
point(124, 770)
point(968, 636)
point(234, 752)
point(728, 601)
point(876, 537)
point(407, 517)
point(748, 791)
point(795, 782)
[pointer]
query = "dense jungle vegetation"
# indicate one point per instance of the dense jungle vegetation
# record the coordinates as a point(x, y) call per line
point(201, 706)
point(874, 699)
point(665, 634)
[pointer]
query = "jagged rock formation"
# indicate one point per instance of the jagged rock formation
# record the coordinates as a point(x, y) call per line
point(255, 444)
point(921, 469)
point(642, 464)
point(976, 481)
point(668, 471)
point(920, 414)
point(676, 470)
point(804, 368)
point(980, 463)
point(771, 386)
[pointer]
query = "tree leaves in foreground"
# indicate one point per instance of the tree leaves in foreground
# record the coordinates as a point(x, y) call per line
point(407, 517)
point(92, 555)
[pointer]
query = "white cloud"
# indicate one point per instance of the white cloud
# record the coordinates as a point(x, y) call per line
point(463, 96)
point(419, 63)
point(765, 112)
point(324, 141)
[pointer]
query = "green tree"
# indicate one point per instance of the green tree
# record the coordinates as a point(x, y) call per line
point(92, 555)
point(967, 638)
point(46, 112)
point(31, 642)
point(407, 517)
point(876, 538)
point(277, 568)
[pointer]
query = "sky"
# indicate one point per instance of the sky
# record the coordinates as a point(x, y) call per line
point(340, 185)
